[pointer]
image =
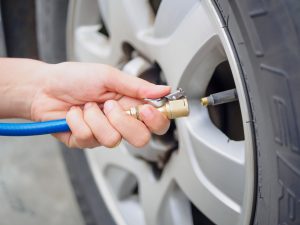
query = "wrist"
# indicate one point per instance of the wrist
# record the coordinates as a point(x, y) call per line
point(21, 81)
point(34, 86)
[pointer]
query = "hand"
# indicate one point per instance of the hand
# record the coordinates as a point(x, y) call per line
point(93, 98)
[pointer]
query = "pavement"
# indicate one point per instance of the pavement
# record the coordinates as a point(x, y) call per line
point(34, 187)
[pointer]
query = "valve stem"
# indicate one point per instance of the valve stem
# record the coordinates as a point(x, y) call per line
point(220, 98)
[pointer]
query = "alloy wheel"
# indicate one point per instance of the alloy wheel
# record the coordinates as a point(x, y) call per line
point(205, 171)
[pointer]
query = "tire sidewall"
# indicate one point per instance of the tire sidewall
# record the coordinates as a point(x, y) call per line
point(265, 62)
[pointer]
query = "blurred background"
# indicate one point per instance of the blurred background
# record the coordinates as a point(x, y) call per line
point(34, 187)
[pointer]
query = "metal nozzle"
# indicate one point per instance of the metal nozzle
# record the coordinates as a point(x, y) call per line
point(204, 101)
point(171, 109)
point(220, 98)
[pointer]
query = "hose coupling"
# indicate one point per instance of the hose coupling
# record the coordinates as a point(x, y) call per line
point(173, 106)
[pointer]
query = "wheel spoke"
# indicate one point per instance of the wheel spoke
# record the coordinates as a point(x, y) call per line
point(91, 46)
point(164, 203)
point(103, 5)
point(209, 144)
point(158, 199)
point(120, 20)
point(121, 181)
point(211, 174)
point(122, 23)
point(152, 196)
point(122, 17)
point(169, 17)
point(175, 51)
point(206, 197)
point(102, 158)
point(105, 164)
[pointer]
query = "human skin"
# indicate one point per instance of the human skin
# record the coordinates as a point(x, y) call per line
point(92, 97)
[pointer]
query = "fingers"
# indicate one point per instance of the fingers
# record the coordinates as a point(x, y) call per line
point(82, 136)
point(155, 120)
point(127, 102)
point(131, 129)
point(133, 86)
point(100, 126)
point(91, 127)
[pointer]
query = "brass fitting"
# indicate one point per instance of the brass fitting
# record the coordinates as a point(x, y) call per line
point(171, 109)
point(204, 101)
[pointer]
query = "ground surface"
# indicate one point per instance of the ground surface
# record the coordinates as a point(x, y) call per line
point(34, 188)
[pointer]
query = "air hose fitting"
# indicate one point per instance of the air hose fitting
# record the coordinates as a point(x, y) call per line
point(173, 106)
point(171, 109)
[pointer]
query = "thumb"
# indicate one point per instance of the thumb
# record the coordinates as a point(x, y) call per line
point(135, 87)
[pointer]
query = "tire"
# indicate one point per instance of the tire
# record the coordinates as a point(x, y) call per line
point(18, 20)
point(265, 38)
point(51, 29)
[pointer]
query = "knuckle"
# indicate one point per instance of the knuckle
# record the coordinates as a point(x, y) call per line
point(72, 144)
point(142, 140)
point(84, 136)
point(73, 114)
point(112, 140)
point(69, 115)
point(75, 145)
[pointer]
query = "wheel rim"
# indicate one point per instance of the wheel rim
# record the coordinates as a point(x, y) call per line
point(209, 170)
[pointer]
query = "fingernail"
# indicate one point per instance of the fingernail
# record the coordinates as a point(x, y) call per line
point(108, 106)
point(147, 113)
point(88, 105)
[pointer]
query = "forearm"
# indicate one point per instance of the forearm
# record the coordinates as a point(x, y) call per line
point(20, 79)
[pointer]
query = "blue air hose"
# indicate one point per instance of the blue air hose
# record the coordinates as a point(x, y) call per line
point(34, 128)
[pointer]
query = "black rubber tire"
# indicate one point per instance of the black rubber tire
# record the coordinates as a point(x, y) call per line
point(18, 19)
point(265, 36)
point(51, 29)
